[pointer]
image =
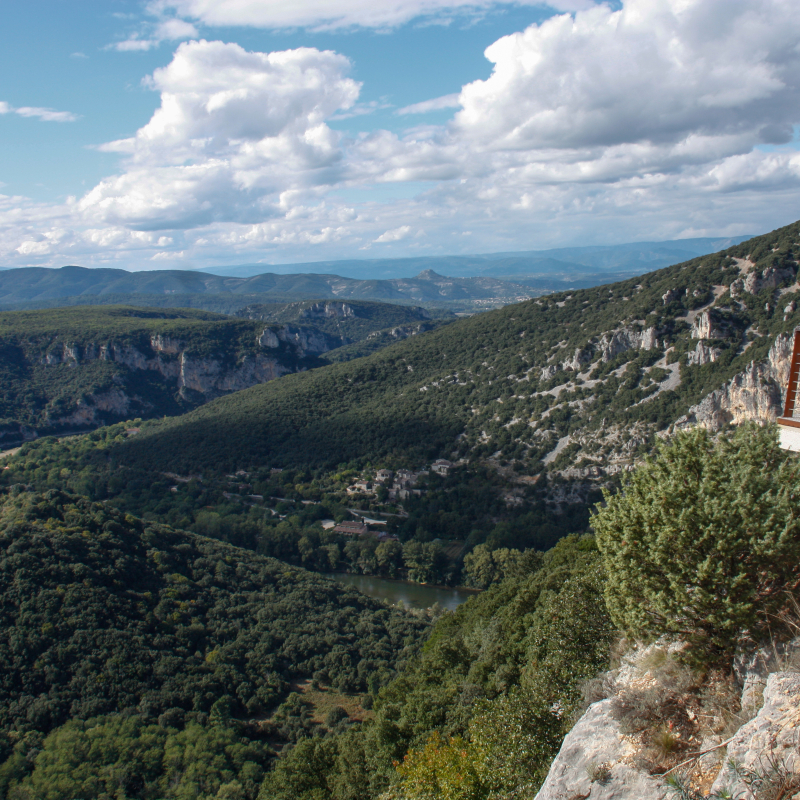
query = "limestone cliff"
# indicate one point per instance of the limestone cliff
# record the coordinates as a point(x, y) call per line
point(604, 758)
point(754, 394)
point(178, 371)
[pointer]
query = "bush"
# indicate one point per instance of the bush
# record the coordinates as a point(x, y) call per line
point(704, 540)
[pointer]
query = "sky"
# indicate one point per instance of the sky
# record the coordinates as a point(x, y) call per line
point(153, 134)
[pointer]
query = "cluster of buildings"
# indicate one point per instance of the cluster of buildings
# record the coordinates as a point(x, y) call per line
point(400, 483)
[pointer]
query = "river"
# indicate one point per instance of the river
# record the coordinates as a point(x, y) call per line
point(414, 595)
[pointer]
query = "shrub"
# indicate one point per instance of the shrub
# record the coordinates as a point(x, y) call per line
point(703, 540)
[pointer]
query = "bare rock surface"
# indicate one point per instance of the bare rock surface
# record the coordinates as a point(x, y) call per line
point(771, 737)
point(591, 764)
point(756, 393)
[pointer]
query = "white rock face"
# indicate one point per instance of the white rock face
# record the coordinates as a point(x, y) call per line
point(328, 310)
point(209, 377)
point(194, 378)
point(305, 341)
point(548, 372)
point(702, 354)
point(755, 394)
point(772, 736)
point(615, 342)
point(704, 327)
point(89, 411)
point(579, 359)
point(165, 344)
point(596, 762)
point(770, 278)
point(593, 743)
point(269, 339)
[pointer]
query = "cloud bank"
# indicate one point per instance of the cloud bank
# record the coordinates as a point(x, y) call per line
point(661, 119)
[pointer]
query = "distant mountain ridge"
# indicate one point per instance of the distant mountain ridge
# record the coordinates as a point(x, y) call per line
point(629, 257)
point(32, 287)
point(484, 281)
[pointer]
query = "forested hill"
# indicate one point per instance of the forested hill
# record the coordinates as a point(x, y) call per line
point(351, 320)
point(576, 380)
point(37, 287)
point(73, 368)
point(103, 613)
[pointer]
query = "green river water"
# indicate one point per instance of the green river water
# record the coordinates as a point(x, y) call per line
point(414, 595)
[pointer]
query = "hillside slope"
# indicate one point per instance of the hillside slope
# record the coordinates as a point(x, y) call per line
point(103, 612)
point(577, 383)
point(73, 368)
point(68, 369)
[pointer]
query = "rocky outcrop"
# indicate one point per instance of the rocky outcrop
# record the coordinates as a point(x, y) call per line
point(195, 378)
point(211, 378)
point(592, 764)
point(768, 743)
point(402, 331)
point(753, 282)
point(616, 342)
point(755, 394)
point(597, 761)
point(94, 409)
point(305, 341)
point(328, 310)
point(702, 354)
point(610, 345)
point(166, 345)
point(579, 360)
point(705, 326)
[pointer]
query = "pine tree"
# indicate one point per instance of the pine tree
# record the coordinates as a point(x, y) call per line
point(703, 541)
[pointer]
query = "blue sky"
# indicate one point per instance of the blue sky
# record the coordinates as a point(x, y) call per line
point(187, 133)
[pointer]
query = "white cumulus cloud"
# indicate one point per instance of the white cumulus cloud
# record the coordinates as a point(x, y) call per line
point(235, 129)
point(656, 71)
point(660, 119)
point(163, 30)
point(395, 235)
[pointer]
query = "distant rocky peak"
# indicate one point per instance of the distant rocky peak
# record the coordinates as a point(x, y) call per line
point(430, 275)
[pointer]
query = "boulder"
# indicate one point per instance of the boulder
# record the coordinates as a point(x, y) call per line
point(591, 764)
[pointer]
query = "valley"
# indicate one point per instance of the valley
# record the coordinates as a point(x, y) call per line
point(72, 368)
point(182, 576)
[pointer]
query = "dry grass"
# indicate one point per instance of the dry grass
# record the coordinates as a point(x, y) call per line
point(324, 700)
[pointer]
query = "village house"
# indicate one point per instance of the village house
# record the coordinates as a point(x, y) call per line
point(383, 475)
point(360, 487)
point(351, 528)
point(442, 466)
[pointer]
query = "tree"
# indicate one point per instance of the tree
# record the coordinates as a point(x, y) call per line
point(703, 541)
